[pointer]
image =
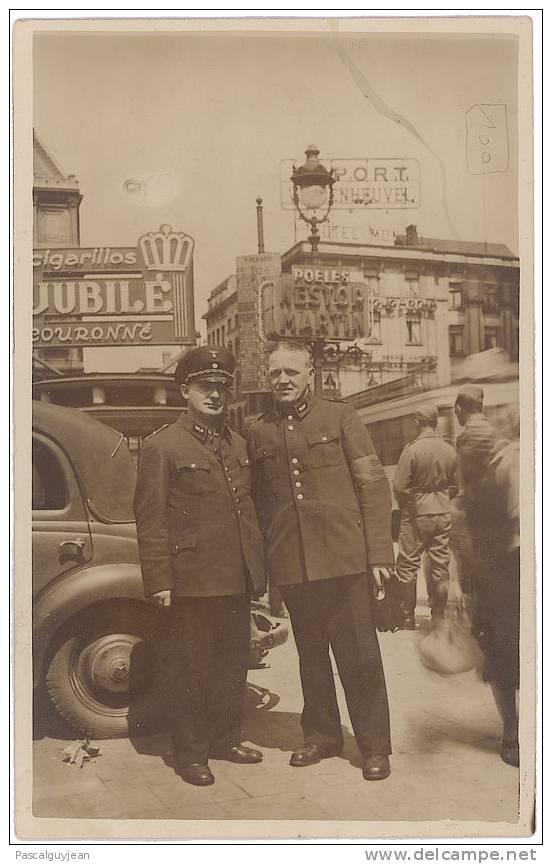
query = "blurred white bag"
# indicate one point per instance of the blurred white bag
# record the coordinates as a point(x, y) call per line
point(449, 647)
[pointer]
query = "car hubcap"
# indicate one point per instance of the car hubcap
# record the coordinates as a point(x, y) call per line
point(103, 667)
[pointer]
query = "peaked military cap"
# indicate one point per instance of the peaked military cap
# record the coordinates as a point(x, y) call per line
point(206, 363)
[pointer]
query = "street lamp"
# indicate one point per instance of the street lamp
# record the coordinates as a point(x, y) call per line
point(313, 193)
point(313, 199)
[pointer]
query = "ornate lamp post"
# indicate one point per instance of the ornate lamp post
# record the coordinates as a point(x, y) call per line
point(313, 193)
point(313, 199)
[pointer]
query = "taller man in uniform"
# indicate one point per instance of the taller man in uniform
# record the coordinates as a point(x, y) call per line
point(324, 505)
point(201, 554)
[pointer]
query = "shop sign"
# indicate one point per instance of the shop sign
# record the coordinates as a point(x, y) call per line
point(116, 296)
point(364, 184)
point(322, 303)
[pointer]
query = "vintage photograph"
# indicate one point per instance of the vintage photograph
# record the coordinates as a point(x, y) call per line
point(272, 361)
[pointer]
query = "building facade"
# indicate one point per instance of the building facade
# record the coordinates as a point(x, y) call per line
point(426, 306)
point(56, 223)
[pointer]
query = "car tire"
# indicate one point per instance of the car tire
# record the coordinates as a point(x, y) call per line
point(104, 669)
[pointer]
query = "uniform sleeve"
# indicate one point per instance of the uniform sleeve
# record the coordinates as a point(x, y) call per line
point(453, 481)
point(256, 487)
point(402, 479)
point(372, 488)
point(151, 512)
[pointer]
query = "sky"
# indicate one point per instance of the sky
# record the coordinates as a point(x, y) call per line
point(204, 121)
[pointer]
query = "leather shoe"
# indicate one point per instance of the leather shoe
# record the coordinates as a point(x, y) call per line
point(240, 754)
point(197, 774)
point(310, 754)
point(376, 767)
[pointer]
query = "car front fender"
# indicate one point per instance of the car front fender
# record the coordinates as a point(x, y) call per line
point(76, 592)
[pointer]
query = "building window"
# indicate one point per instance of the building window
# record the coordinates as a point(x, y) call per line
point(222, 334)
point(490, 302)
point(491, 338)
point(413, 330)
point(456, 341)
point(236, 319)
point(412, 286)
point(375, 331)
point(455, 297)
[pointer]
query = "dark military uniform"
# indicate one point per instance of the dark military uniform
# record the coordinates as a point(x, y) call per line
point(425, 479)
point(324, 505)
point(198, 536)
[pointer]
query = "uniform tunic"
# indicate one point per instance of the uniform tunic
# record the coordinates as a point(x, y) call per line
point(191, 502)
point(425, 479)
point(324, 506)
point(489, 468)
point(321, 493)
point(198, 536)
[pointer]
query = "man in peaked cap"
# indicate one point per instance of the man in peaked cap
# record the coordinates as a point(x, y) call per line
point(192, 501)
point(424, 482)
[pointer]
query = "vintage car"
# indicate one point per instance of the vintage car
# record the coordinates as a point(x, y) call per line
point(98, 645)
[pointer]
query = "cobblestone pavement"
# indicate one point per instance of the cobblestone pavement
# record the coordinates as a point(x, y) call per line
point(445, 763)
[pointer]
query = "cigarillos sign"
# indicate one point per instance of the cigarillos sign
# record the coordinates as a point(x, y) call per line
point(116, 296)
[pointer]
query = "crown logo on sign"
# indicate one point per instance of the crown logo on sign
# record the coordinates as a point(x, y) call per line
point(166, 249)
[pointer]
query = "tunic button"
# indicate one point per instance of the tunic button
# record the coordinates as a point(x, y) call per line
point(298, 484)
point(193, 465)
point(290, 416)
point(296, 473)
point(300, 496)
point(229, 479)
point(324, 437)
point(290, 427)
point(234, 489)
point(294, 461)
point(226, 468)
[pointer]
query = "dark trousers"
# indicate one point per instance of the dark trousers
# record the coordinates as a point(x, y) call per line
point(428, 534)
point(337, 612)
point(208, 654)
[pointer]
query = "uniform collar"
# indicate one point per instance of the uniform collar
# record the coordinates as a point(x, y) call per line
point(298, 411)
point(428, 432)
point(198, 429)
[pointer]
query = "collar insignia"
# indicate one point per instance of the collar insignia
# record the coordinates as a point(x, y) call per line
point(302, 408)
point(199, 429)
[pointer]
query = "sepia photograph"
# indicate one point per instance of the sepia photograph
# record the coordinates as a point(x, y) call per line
point(274, 413)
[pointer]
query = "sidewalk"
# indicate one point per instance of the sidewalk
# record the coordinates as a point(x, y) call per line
point(445, 763)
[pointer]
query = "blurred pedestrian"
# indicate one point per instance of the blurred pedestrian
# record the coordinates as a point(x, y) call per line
point(489, 472)
point(424, 482)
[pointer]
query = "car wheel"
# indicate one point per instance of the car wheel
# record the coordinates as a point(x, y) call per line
point(104, 665)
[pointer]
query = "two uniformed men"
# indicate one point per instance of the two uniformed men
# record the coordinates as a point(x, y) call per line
point(323, 501)
point(424, 482)
point(202, 556)
point(324, 506)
